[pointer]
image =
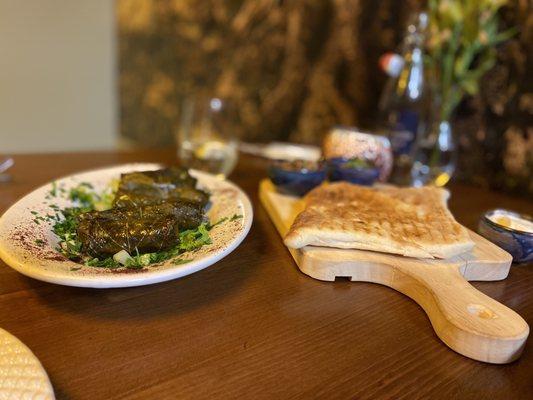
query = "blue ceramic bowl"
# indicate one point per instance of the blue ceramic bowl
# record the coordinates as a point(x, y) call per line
point(340, 171)
point(516, 242)
point(298, 177)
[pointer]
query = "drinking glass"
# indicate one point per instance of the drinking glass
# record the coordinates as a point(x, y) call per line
point(207, 137)
point(5, 164)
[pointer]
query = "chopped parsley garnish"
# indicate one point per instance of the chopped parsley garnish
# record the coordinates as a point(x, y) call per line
point(220, 221)
point(53, 191)
point(65, 229)
point(85, 196)
point(105, 263)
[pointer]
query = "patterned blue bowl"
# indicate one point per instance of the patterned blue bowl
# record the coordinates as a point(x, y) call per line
point(298, 177)
point(339, 170)
point(518, 243)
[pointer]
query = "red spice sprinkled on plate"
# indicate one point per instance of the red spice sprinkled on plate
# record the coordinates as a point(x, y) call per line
point(128, 270)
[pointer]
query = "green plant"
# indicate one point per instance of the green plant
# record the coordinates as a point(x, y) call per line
point(461, 47)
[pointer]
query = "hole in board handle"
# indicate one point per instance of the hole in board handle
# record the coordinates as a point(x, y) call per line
point(343, 279)
point(481, 311)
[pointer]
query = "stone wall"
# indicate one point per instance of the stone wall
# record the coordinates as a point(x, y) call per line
point(295, 68)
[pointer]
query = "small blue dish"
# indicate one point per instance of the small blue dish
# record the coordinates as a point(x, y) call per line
point(343, 169)
point(297, 177)
point(517, 242)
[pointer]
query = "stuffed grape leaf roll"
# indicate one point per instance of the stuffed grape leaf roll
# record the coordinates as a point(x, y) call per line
point(142, 229)
point(153, 187)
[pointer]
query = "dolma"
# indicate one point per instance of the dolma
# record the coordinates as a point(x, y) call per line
point(154, 187)
point(176, 176)
point(141, 229)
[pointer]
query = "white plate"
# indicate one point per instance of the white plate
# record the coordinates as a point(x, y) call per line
point(19, 232)
point(21, 374)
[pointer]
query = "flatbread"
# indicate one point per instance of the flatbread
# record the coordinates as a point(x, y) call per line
point(412, 222)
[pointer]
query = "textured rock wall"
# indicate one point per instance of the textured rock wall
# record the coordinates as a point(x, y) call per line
point(294, 68)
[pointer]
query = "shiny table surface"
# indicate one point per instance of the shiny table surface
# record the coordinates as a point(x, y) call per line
point(251, 326)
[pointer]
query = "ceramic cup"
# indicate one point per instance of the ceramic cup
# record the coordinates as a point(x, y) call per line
point(340, 169)
point(344, 142)
point(297, 177)
point(517, 242)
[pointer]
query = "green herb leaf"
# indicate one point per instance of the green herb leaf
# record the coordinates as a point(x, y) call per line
point(194, 239)
point(235, 217)
point(105, 263)
point(210, 226)
point(178, 261)
point(53, 191)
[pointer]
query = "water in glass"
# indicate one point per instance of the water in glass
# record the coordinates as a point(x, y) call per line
point(206, 136)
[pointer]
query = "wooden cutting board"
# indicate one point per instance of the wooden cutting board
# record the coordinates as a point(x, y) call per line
point(467, 320)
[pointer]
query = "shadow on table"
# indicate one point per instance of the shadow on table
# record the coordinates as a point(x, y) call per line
point(223, 279)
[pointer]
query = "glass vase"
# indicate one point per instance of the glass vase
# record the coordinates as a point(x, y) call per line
point(435, 155)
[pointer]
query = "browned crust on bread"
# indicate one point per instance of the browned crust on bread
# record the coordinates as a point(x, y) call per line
point(412, 222)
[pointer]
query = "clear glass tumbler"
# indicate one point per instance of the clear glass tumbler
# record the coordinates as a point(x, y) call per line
point(206, 136)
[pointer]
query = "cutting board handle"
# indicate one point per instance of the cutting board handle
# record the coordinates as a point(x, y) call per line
point(464, 318)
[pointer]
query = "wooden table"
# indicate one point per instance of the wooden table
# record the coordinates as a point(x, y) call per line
point(251, 326)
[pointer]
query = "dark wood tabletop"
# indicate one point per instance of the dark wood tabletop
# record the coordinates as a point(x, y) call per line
point(251, 326)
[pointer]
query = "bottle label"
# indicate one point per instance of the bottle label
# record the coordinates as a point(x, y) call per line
point(403, 133)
